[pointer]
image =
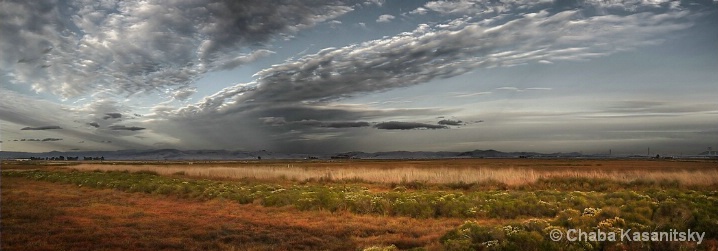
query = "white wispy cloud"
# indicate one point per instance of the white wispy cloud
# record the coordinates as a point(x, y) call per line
point(385, 18)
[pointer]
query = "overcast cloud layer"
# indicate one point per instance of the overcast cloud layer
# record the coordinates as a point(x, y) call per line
point(353, 75)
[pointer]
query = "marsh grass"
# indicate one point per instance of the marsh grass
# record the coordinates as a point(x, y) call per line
point(509, 173)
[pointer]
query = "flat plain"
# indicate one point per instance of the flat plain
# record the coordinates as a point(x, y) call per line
point(458, 204)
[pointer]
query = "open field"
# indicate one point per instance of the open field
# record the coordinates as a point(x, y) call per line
point(512, 172)
point(271, 206)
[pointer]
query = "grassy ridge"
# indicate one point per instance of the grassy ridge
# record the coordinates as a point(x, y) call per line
point(552, 204)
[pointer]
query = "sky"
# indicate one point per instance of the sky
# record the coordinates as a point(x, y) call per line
point(293, 76)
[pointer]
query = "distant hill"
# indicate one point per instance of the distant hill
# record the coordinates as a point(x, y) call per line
point(175, 154)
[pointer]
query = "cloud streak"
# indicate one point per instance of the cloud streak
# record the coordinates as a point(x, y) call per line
point(112, 115)
point(41, 128)
point(450, 122)
point(126, 128)
point(396, 125)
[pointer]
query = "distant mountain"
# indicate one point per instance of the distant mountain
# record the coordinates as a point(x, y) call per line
point(487, 154)
point(174, 154)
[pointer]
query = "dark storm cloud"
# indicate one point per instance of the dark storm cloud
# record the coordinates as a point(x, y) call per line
point(345, 124)
point(332, 115)
point(450, 122)
point(300, 117)
point(396, 125)
point(104, 113)
point(333, 124)
point(278, 121)
point(112, 115)
point(74, 47)
point(126, 128)
point(42, 128)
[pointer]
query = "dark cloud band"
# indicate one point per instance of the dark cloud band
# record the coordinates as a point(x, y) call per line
point(42, 128)
point(126, 128)
point(396, 125)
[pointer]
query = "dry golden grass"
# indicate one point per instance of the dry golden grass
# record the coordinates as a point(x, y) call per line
point(508, 171)
point(48, 216)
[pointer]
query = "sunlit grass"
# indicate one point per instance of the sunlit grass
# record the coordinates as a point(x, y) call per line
point(508, 172)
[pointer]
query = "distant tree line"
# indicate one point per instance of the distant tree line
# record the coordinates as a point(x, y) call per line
point(67, 158)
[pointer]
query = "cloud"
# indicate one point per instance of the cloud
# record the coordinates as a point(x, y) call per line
point(273, 121)
point(15, 110)
point(427, 53)
point(385, 18)
point(334, 23)
point(450, 122)
point(39, 140)
point(516, 89)
point(112, 115)
point(73, 47)
point(345, 124)
point(184, 93)
point(419, 11)
point(126, 128)
point(333, 124)
point(375, 2)
point(70, 48)
point(42, 128)
point(465, 95)
point(396, 125)
point(484, 7)
point(301, 89)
